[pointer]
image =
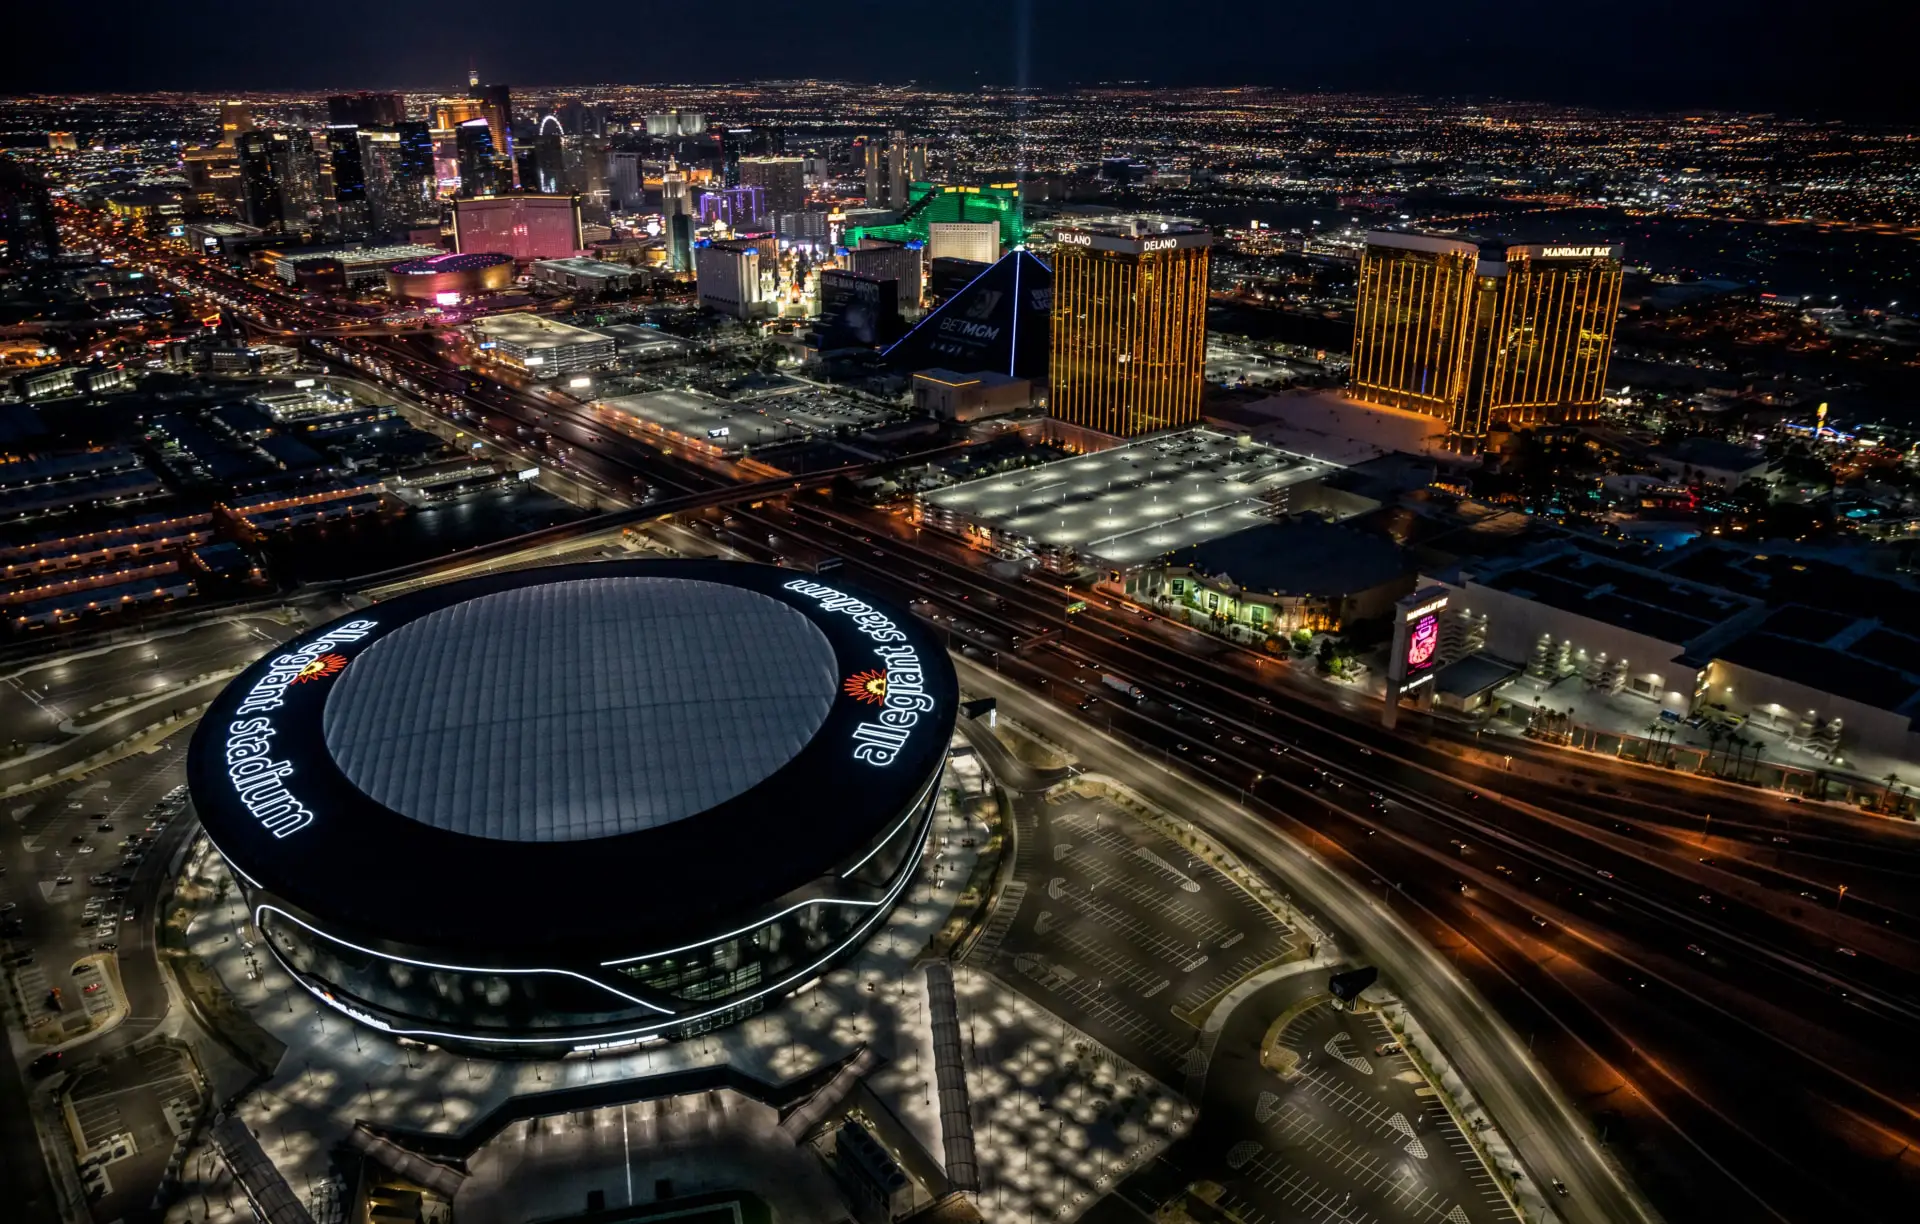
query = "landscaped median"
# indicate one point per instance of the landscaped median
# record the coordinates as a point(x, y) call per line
point(1277, 1058)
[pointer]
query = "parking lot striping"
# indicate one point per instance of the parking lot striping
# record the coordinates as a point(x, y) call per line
point(1368, 1169)
point(1217, 983)
point(1096, 1004)
point(1337, 1046)
point(1143, 934)
point(1298, 1190)
point(180, 1078)
point(1144, 979)
point(1350, 1101)
point(1150, 897)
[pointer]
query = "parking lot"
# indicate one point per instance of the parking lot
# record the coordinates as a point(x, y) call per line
point(1123, 932)
point(125, 1115)
point(1353, 1133)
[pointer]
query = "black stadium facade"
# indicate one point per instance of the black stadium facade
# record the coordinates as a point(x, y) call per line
point(585, 805)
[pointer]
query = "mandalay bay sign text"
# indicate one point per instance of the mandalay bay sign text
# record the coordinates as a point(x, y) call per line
point(260, 781)
point(878, 741)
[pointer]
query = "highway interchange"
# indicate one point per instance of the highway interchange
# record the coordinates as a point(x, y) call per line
point(1677, 954)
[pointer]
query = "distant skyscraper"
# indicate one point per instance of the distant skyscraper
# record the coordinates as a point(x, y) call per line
point(236, 120)
point(496, 107)
point(587, 158)
point(857, 310)
point(624, 183)
point(1525, 340)
point(582, 118)
point(1130, 324)
point(673, 191)
point(679, 242)
point(478, 173)
point(526, 227)
point(676, 123)
point(366, 110)
point(783, 179)
point(450, 113)
point(899, 262)
point(975, 240)
point(891, 166)
point(213, 176)
point(27, 230)
point(549, 156)
point(898, 170)
point(278, 178)
point(399, 176)
point(728, 276)
point(738, 208)
point(349, 176)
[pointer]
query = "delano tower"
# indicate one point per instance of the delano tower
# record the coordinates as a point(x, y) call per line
point(1443, 329)
point(1130, 324)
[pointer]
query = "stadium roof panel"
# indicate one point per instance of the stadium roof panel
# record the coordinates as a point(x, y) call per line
point(581, 709)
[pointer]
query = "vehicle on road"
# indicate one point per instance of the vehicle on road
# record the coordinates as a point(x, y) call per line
point(1121, 685)
point(1385, 1048)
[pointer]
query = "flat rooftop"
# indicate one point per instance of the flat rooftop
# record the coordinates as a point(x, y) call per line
point(581, 266)
point(638, 338)
point(533, 331)
point(750, 424)
point(1618, 593)
point(1134, 502)
point(1334, 427)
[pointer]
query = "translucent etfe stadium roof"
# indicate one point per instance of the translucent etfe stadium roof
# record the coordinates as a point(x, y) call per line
point(580, 709)
point(1132, 503)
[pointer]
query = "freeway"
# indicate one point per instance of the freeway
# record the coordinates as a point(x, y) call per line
point(1657, 1036)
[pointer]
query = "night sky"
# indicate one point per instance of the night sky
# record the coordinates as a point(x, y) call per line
point(1844, 59)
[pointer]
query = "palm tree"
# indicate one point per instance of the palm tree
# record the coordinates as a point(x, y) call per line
point(1886, 796)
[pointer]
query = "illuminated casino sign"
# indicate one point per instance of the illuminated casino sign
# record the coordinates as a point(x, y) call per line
point(258, 779)
point(1423, 640)
point(1569, 252)
point(900, 688)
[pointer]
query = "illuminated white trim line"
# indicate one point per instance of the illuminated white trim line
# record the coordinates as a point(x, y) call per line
point(757, 923)
point(913, 809)
point(263, 907)
point(601, 1037)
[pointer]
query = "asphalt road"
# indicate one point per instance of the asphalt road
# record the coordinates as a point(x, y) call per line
point(38, 697)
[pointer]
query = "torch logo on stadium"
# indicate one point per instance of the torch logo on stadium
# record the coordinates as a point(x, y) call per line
point(322, 667)
point(867, 686)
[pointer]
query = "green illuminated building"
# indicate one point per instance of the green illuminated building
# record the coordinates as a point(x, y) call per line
point(937, 202)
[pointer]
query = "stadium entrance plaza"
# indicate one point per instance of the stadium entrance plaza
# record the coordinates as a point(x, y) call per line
point(1097, 1060)
point(336, 1075)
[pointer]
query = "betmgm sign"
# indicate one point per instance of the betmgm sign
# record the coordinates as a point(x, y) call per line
point(1414, 657)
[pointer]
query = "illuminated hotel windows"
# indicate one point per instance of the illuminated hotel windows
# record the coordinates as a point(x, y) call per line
point(1523, 340)
point(1130, 325)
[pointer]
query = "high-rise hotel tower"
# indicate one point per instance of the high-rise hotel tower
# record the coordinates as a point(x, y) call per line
point(1130, 324)
point(1442, 329)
